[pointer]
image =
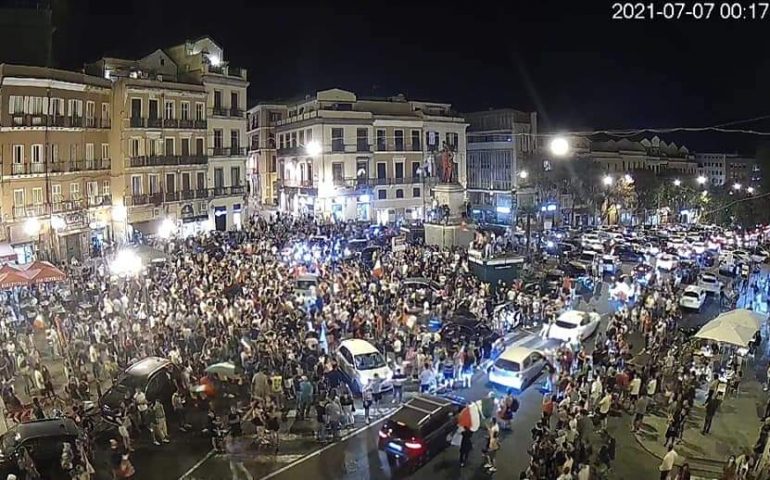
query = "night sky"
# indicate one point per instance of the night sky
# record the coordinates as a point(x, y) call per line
point(568, 60)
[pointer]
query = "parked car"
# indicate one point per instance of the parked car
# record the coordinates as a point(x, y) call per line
point(666, 262)
point(610, 264)
point(306, 284)
point(692, 298)
point(517, 367)
point(43, 440)
point(419, 429)
point(627, 253)
point(710, 283)
point(156, 377)
point(574, 324)
point(360, 361)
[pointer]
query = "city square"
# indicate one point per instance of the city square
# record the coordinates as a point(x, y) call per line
point(239, 251)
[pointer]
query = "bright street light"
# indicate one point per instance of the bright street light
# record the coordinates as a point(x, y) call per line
point(119, 213)
point(32, 227)
point(628, 178)
point(166, 228)
point(677, 182)
point(523, 174)
point(750, 189)
point(313, 148)
point(126, 262)
point(607, 180)
point(58, 223)
point(737, 186)
point(559, 146)
point(701, 180)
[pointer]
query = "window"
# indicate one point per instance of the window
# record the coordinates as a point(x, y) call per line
point(136, 108)
point(399, 193)
point(105, 114)
point(90, 152)
point(92, 191)
point(337, 171)
point(18, 154)
point(381, 171)
point(36, 154)
point(293, 139)
point(75, 108)
point(382, 194)
point(398, 136)
point(431, 140)
point(169, 109)
point(169, 145)
point(37, 196)
point(170, 183)
point(234, 102)
point(18, 197)
point(362, 168)
point(218, 139)
point(217, 100)
point(90, 114)
point(105, 151)
point(136, 184)
point(199, 146)
point(15, 104)
point(201, 180)
point(275, 117)
point(36, 105)
point(186, 182)
point(185, 111)
point(75, 191)
point(416, 170)
point(56, 196)
point(416, 141)
point(399, 169)
point(106, 186)
point(133, 147)
point(301, 138)
point(308, 136)
point(235, 176)
point(381, 142)
point(451, 140)
point(185, 146)
point(219, 178)
point(200, 111)
point(235, 141)
point(362, 140)
point(338, 141)
point(55, 153)
point(416, 192)
point(154, 186)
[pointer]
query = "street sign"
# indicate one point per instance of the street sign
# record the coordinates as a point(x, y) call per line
point(398, 243)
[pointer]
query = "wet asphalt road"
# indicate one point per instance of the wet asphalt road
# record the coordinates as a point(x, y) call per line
point(357, 457)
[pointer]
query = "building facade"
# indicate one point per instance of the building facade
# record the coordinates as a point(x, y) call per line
point(262, 166)
point(368, 159)
point(56, 186)
point(498, 142)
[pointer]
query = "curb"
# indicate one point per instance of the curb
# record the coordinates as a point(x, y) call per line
point(696, 463)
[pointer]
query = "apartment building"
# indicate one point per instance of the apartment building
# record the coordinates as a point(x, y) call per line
point(728, 168)
point(262, 169)
point(203, 61)
point(55, 189)
point(499, 142)
point(371, 159)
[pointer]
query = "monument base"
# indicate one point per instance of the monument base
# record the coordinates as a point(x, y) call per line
point(452, 235)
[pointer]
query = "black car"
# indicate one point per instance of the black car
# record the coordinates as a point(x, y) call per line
point(553, 281)
point(156, 377)
point(419, 429)
point(627, 253)
point(43, 440)
point(466, 329)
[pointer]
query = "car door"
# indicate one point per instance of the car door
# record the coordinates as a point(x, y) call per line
point(526, 370)
point(345, 359)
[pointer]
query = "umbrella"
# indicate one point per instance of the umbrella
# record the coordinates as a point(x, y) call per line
point(727, 333)
point(741, 317)
point(225, 369)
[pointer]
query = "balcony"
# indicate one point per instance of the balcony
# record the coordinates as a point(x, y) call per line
point(90, 122)
point(154, 122)
point(227, 151)
point(226, 70)
point(170, 123)
point(138, 122)
point(168, 197)
point(190, 124)
point(99, 201)
point(67, 206)
point(28, 211)
point(144, 199)
point(228, 191)
point(34, 168)
point(82, 165)
point(195, 194)
point(104, 122)
point(166, 160)
point(230, 112)
point(73, 121)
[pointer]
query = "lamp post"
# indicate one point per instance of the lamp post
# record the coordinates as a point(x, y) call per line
point(119, 214)
point(32, 228)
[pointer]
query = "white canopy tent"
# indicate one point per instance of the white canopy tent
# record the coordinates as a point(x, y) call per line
point(736, 327)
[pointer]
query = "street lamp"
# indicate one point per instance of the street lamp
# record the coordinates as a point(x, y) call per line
point(677, 182)
point(126, 263)
point(523, 174)
point(607, 180)
point(32, 227)
point(559, 146)
point(166, 228)
point(628, 178)
point(57, 223)
point(313, 148)
point(737, 186)
point(701, 180)
point(750, 189)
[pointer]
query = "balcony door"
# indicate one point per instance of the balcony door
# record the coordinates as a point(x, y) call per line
point(154, 109)
point(170, 183)
point(136, 108)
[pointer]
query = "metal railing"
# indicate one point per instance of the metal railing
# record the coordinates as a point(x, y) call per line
point(359, 182)
point(170, 123)
point(183, 195)
point(227, 191)
point(137, 122)
point(166, 160)
point(40, 120)
point(27, 211)
point(94, 164)
point(154, 122)
point(221, 111)
point(227, 151)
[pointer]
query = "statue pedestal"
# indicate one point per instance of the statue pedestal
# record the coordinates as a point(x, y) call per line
point(453, 232)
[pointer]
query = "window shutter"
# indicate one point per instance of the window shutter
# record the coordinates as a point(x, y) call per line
point(27, 105)
point(11, 104)
point(45, 105)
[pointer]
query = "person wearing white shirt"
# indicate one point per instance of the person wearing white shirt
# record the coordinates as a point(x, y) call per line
point(634, 387)
point(668, 462)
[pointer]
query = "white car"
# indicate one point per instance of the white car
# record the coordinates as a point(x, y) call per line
point(693, 298)
point(699, 247)
point(610, 264)
point(517, 367)
point(666, 262)
point(574, 324)
point(710, 283)
point(360, 361)
point(742, 256)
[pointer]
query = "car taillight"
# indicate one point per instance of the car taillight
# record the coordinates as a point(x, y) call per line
point(383, 434)
point(413, 445)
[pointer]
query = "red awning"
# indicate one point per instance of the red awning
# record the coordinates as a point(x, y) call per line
point(42, 272)
point(13, 279)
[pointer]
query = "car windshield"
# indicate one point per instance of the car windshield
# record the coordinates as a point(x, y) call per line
point(708, 280)
point(507, 365)
point(369, 361)
point(306, 284)
point(608, 261)
point(565, 324)
point(691, 294)
point(587, 257)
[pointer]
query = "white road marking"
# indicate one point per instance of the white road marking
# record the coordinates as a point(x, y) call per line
point(197, 465)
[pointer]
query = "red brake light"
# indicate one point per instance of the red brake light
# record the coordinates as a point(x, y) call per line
point(414, 445)
point(383, 434)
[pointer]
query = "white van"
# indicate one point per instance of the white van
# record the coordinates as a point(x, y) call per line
point(360, 361)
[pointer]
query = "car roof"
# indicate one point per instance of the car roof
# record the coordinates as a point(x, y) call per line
point(358, 346)
point(573, 316)
point(708, 275)
point(516, 354)
point(306, 277)
point(146, 366)
point(48, 427)
point(693, 288)
point(416, 411)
